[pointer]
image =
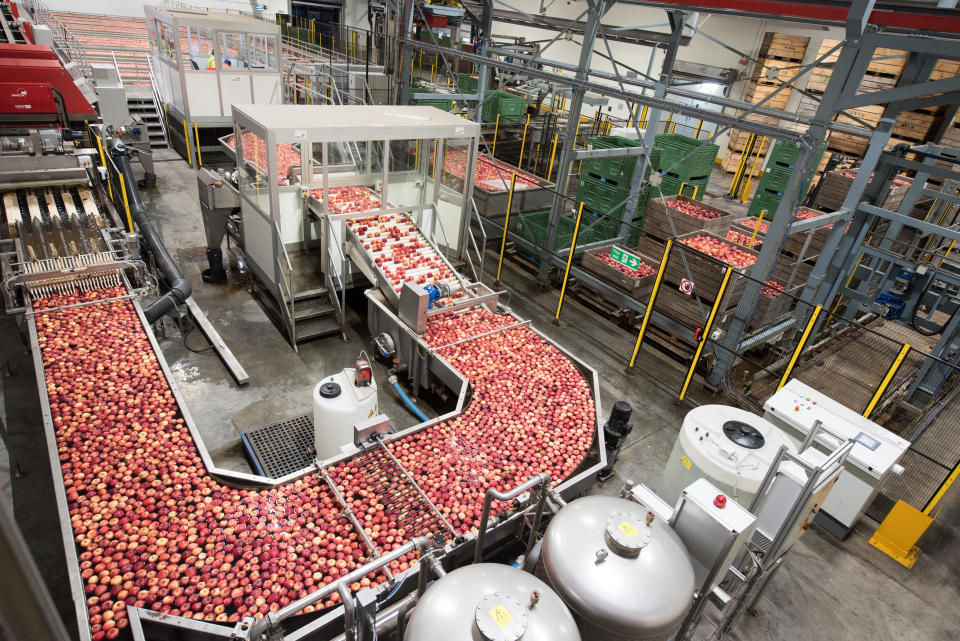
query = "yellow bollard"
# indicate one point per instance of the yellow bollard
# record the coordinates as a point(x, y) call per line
point(553, 153)
point(756, 228)
point(506, 224)
point(800, 345)
point(523, 142)
point(648, 312)
point(706, 331)
point(897, 362)
point(196, 133)
point(566, 272)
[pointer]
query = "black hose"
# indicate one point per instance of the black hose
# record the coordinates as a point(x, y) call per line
point(180, 289)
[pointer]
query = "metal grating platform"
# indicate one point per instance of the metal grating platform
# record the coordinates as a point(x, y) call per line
point(280, 448)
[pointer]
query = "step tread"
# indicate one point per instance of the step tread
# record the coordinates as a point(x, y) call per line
point(316, 328)
point(308, 294)
point(313, 308)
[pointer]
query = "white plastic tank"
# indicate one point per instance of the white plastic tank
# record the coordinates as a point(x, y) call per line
point(338, 405)
point(728, 446)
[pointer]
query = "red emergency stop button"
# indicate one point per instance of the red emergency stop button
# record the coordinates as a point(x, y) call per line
point(720, 501)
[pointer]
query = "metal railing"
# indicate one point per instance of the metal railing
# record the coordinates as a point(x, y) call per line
point(286, 283)
point(67, 43)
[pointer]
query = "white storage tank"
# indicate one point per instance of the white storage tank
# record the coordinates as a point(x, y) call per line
point(728, 446)
point(624, 574)
point(491, 602)
point(338, 405)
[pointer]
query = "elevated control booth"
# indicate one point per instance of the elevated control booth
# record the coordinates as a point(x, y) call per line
point(206, 62)
point(303, 170)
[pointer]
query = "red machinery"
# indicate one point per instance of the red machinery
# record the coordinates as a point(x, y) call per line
point(35, 88)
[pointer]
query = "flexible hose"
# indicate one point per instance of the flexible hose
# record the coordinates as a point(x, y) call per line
point(409, 403)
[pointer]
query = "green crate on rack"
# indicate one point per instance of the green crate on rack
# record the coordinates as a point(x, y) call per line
point(467, 83)
point(533, 227)
point(674, 148)
point(764, 200)
point(617, 170)
point(600, 195)
point(784, 154)
point(510, 107)
point(439, 103)
point(671, 186)
point(775, 178)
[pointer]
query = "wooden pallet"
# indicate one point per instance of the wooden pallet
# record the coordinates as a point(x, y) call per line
point(889, 67)
point(757, 93)
point(732, 160)
point(783, 46)
point(787, 70)
point(869, 114)
point(12, 208)
point(946, 69)
point(847, 144)
point(914, 125)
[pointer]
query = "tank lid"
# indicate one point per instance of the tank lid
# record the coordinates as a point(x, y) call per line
point(329, 389)
point(626, 534)
point(501, 617)
point(743, 434)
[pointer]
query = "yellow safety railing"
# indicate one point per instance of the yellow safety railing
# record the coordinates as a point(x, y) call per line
point(800, 346)
point(506, 225)
point(566, 271)
point(706, 331)
point(653, 298)
point(891, 372)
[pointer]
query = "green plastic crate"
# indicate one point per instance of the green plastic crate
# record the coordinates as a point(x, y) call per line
point(764, 200)
point(670, 186)
point(784, 154)
point(511, 108)
point(616, 170)
point(533, 227)
point(602, 196)
point(674, 147)
point(467, 83)
point(775, 178)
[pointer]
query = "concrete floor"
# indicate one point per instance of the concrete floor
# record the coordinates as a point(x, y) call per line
point(826, 589)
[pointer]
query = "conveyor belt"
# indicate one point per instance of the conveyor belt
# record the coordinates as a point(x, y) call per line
point(531, 410)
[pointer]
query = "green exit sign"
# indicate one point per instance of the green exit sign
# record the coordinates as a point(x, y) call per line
point(625, 258)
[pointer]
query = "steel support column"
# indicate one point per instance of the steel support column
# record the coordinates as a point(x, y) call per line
point(597, 9)
point(406, 51)
point(486, 29)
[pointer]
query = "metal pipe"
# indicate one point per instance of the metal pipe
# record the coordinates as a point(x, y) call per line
point(540, 479)
point(392, 618)
point(349, 610)
point(180, 289)
point(274, 618)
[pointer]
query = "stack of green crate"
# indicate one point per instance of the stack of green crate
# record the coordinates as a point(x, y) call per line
point(617, 170)
point(605, 183)
point(443, 105)
point(776, 176)
point(510, 107)
point(533, 227)
point(681, 173)
point(467, 83)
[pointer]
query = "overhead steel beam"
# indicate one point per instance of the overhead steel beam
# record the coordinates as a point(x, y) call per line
point(730, 120)
point(901, 17)
point(642, 37)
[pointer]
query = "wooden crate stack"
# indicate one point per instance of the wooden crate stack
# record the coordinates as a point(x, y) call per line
point(780, 51)
point(911, 127)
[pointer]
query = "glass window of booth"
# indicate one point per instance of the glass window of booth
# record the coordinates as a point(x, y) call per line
point(262, 52)
point(196, 49)
point(167, 40)
point(232, 50)
point(252, 170)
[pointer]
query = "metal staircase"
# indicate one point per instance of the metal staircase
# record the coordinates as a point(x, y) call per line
point(140, 102)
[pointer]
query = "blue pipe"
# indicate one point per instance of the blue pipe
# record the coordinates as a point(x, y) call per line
point(406, 401)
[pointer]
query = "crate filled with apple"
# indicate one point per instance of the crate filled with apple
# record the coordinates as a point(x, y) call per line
point(796, 242)
point(491, 185)
point(638, 281)
point(774, 303)
point(679, 215)
point(708, 255)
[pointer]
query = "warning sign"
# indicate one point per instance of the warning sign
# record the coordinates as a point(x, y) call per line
point(686, 286)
